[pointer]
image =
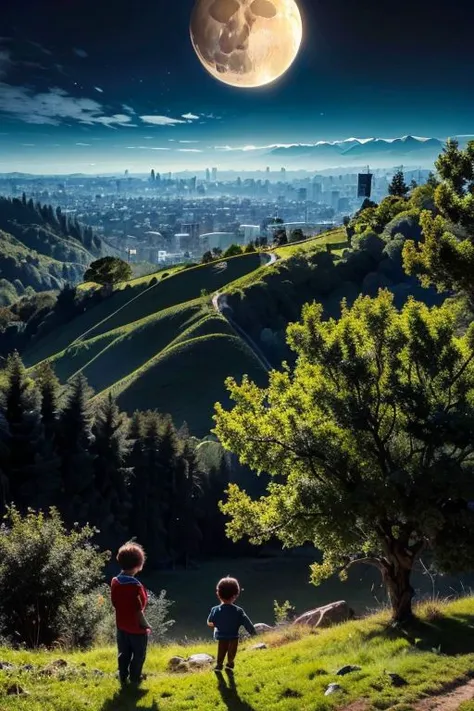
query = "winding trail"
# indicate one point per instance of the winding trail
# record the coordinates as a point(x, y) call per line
point(219, 302)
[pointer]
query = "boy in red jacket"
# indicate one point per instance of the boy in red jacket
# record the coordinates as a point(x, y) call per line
point(130, 598)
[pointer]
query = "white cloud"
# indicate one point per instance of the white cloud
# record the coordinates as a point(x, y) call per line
point(83, 144)
point(97, 88)
point(190, 117)
point(161, 120)
point(128, 109)
point(189, 150)
point(29, 145)
point(80, 53)
point(147, 148)
point(115, 120)
point(186, 141)
point(53, 107)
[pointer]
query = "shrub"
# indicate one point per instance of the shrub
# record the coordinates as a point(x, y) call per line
point(156, 614)
point(283, 612)
point(47, 576)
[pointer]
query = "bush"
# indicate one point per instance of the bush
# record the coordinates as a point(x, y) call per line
point(283, 612)
point(156, 613)
point(47, 577)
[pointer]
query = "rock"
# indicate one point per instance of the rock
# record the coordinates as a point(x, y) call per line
point(261, 628)
point(332, 689)
point(16, 690)
point(183, 667)
point(397, 680)
point(27, 667)
point(199, 660)
point(6, 666)
point(258, 646)
point(59, 663)
point(326, 616)
point(348, 669)
point(174, 663)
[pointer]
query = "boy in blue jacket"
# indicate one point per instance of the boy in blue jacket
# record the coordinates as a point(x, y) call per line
point(226, 620)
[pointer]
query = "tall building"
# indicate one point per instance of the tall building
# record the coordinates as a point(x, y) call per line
point(214, 175)
point(208, 175)
point(317, 190)
point(302, 195)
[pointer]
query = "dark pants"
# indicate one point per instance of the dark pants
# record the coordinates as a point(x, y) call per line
point(131, 655)
point(227, 647)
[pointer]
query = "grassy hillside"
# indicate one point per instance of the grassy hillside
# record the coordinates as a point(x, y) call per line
point(41, 249)
point(291, 674)
point(158, 343)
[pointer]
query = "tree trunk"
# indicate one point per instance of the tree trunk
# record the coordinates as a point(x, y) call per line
point(397, 580)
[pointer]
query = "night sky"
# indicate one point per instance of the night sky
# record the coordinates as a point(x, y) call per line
point(78, 76)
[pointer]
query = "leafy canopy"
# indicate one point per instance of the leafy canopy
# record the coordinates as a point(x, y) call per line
point(108, 270)
point(368, 441)
point(445, 257)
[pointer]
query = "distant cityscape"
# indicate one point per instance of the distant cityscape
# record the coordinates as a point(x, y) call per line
point(166, 218)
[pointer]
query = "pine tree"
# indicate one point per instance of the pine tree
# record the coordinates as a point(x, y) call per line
point(49, 390)
point(186, 532)
point(74, 443)
point(111, 475)
point(146, 488)
point(398, 187)
point(32, 465)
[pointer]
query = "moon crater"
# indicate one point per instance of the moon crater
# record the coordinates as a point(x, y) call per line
point(246, 43)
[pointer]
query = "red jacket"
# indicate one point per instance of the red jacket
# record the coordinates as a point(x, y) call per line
point(129, 598)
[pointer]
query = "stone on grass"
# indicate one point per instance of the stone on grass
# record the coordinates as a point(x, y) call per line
point(182, 668)
point(16, 690)
point(261, 645)
point(348, 669)
point(397, 680)
point(27, 667)
point(6, 666)
point(200, 660)
point(174, 663)
point(325, 616)
point(261, 628)
point(332, 689)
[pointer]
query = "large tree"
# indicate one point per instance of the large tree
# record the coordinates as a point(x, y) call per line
point(445, 256)
point(108, 270)
point(369, 439)
point(398, 187)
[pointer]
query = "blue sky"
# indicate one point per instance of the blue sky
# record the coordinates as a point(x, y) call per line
point(84, 88)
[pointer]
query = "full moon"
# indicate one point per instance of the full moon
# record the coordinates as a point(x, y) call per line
point(246, 43)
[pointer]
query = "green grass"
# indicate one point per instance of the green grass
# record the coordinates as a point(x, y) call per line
point(292, 674)
point(337, 236)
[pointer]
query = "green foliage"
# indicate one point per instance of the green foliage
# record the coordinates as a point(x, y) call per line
point(445, 256)
point(232, 251)
point(207, 257)
point(398, 187)
point(108, 270)
point(283, 612)
point(46, 575)
point(368, 441)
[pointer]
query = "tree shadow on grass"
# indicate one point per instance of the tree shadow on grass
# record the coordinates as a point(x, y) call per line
point(127, 699)
point(230, 695)
point(451, 635)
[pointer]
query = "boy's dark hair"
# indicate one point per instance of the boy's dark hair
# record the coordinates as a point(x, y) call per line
point(131, 555)
point(227, 588)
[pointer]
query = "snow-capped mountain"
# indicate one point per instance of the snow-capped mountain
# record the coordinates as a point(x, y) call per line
point(355, 151)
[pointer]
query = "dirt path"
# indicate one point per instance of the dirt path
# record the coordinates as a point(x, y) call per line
point(449, 701)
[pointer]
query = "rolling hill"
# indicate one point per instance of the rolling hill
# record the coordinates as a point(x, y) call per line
point(158, 344)
point(41, 249)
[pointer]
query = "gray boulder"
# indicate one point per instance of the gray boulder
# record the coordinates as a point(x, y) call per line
point(261, 628)
point(326, 616)
point(199, 660)
point(332, 689)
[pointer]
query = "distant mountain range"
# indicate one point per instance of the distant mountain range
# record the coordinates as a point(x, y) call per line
point(410, 151)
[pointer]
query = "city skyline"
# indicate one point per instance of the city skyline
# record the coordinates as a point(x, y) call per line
point(86, 90)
